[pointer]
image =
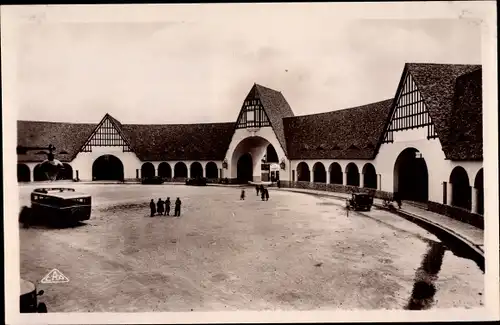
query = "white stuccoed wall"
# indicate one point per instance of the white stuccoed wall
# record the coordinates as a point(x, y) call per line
point(235, 151)
point(84, 161)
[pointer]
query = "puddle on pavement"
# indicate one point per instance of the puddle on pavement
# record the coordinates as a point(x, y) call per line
point(424, 289)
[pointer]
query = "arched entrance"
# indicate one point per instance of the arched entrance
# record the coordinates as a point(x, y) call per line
point(164, 170)
point(212, 170)
point(479, 186)
point(303, 172)
point(411, 178)
point(196, 170)
point(352, 174)
point(180, 170)
point(23, 173)
point(107, 167)
point(336, 174)
point(244, 168)
point(319, 173)
point(369, 176)
point(38, 174)
point(460, 188)
point(147, 170)
point(66, 172)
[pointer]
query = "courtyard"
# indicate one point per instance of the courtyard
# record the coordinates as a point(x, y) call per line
point(293, 252)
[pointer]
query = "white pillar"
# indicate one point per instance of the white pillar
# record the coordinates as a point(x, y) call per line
point(327, 177)
point(188, 171)
point(379, 182)
point(361, 180)
point(449, 192)
point(311, 179)
point(474, 199)
point(204, 171)
point(344, 178)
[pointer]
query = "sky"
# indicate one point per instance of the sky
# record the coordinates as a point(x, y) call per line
point(199, 68)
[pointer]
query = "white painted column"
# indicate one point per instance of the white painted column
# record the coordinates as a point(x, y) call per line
point(311, 179)
point(449, 192)
point(327, 177)
point(361, 180)
point(204, 171)
point(379, 182)
point(188, 171)
point(473, 199)
point(344, 178)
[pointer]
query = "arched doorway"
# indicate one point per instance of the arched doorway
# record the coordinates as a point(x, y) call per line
point(411, 178)
point(352, 174)
point(271, 155)
point(147, 170)
point(196, 170)
point(212, 170)
point(303, 172)
point(369, 176)
point(38, 174)
point(107, 167)
point(336, 174)
point(23, 173)
point(479, 186)
point(244, 168)
point(180, 170)
point(319, 172)
point(460, 188)
point(164, 170)
point(66, 172)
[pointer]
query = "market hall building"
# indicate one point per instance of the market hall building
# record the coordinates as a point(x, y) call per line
point(425, 143)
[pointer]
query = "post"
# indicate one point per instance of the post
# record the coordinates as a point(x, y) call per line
point(474, 199)
point(327, 177)
point(449, 193)
point(361, 180)
point(311, 179)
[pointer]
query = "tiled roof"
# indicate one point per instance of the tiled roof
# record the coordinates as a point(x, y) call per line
point(157, 142)
point(453, 95)
point(276, 108)
point(351, 133)
point(67, 137)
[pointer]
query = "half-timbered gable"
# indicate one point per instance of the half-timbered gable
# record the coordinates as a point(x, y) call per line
point(106, 134)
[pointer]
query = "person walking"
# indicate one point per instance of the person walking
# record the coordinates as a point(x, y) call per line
point(160, 207)
point(242, 196)
point(267, 194)
point(167, 206)
point(397, 198)
point(257, 189)
point(178, 207)
point(152, 206)
point(262, 193)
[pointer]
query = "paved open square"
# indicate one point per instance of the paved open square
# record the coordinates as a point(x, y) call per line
point(293, 252)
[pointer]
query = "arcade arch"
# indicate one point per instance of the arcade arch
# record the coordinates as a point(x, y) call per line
point(212, 171)
point(479, 186)
point(164, 170)
point(352, 172)
point(336, 176)
point(460, 188)
point(180, 170)
point(369, 176)
point(411, 178)
point(23, 173)
point(147, 170)
point(66, 172)
point(319, 173)
point(196, 170)
point(107, 167)
point(38, 174)
point(303, 172)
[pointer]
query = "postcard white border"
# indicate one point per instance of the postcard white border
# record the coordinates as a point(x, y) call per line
point(13, 16)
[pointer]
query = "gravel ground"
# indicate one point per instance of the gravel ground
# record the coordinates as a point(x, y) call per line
point(293, 252)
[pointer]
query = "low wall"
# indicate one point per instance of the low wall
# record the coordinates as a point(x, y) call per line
point(450, 211)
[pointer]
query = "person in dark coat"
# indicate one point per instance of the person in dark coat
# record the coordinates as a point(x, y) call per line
point(152, 206)
point(167, 206)
point(397, 198)
point(242, 197)
point(160, 207)
point(278, 183)
point(178, 207)
point(267, 194)
point(262, 193)
point(257, 189)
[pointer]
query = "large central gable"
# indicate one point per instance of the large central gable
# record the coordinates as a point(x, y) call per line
point(351, 133)
point(265, 107)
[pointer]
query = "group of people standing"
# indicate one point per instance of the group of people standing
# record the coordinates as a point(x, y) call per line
point(163, 207)
point(264, 193)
